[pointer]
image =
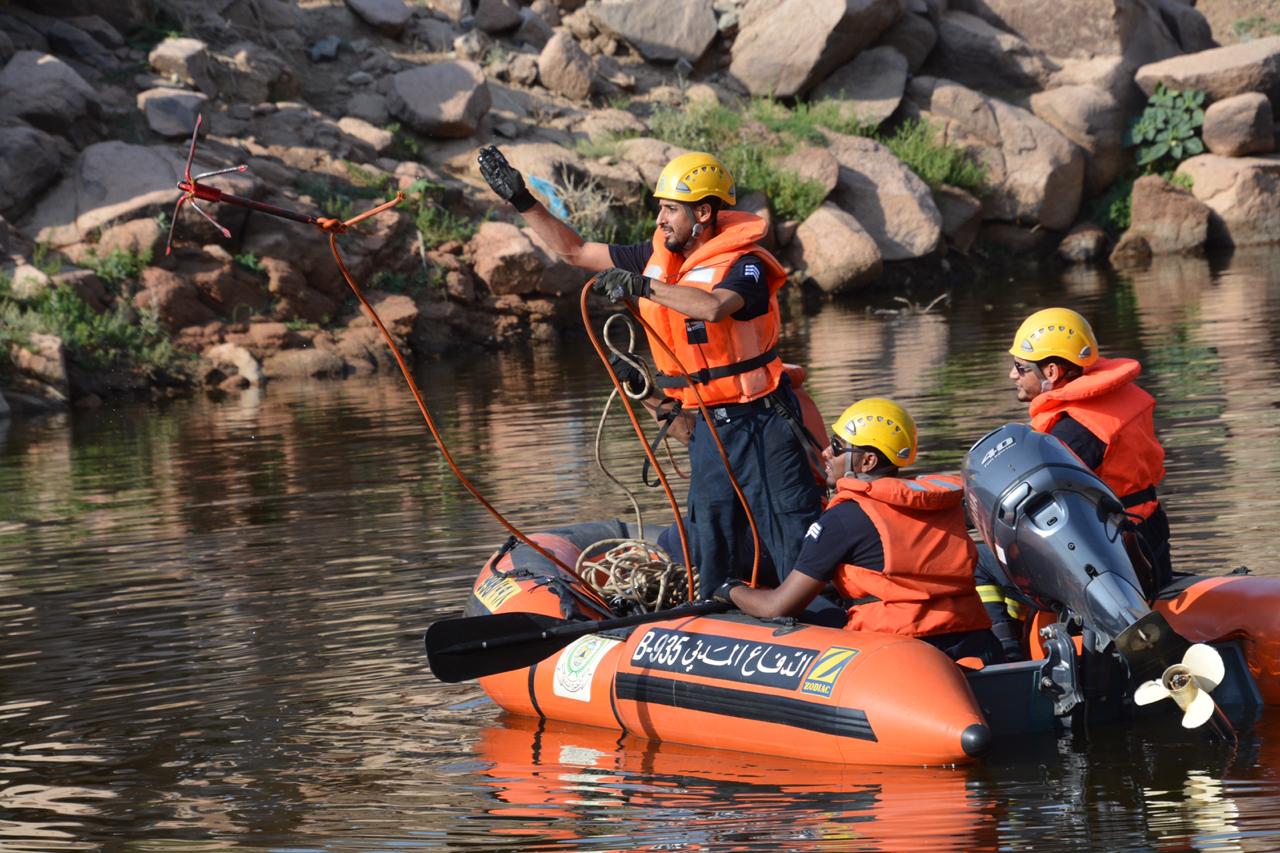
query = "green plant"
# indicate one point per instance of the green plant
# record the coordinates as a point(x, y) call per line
point(1168, 131)
point(297, 324)
point(916, 144)
point(608, 145)
point(1183, 180)
point(365, 178)
point(251, 262)
point(1255, 26)
point(404, 145)
point(435, 222)
point(118, 266)
point(1113, 210)
point(162, 25)
point(44, 259)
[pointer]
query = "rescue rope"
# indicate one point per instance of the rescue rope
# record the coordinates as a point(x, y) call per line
point(634, 571)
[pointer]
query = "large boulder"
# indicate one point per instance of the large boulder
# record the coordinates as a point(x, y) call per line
point(786, 51)
point(171, 112)
point(961, 216)
point(30, 160)
point(973, 52)
point(812, 163)
point(1169, 220)
point(889, 201)
point(663, 32)
point(1240, 125)
point(40, 368)
point(834, 251)
point(251, 73)
point(497, 16)
point(1189, 28)
point(1252, 66)
point(445, 99)
point(649, 155)
point(1034, 174)
point(869, 88)
point(565, 69)
point(1093, 120)
point(45, 92)
point(1242, 193)
point(1081, 29)
point(115, 180)
point(914, 37)
point(388, 17)
point(184, 60)
point(173, 298)
point(505, 260)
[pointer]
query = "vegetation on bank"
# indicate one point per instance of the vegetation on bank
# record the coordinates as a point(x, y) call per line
point(1167, 132)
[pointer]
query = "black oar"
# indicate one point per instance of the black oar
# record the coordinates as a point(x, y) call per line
point(459, 649)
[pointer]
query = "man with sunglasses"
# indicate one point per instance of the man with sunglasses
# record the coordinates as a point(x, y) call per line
point(896, 547)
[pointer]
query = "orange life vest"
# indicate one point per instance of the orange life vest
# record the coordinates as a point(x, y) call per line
point(732, 361)
point(926, 586)
point(1107, 403)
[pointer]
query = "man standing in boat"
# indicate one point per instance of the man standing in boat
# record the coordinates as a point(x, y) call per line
point(1093, 406)
point(896, 546)
point(710, 292)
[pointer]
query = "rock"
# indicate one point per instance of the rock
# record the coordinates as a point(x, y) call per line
point(28, 281)
point(227, 357)
point(813, 163)
point(1013, 238)
point(505, 260)
point(869, 88)
point(1131, 252)
point(961, 216)
point(818, 37)
point(135, 237)
point(565, 69)
point(171, 112)
point(114, 180)
point(86, 285)
point(184, 60)
point(4, 404)
point(388, 17)
point(1240, 125)
point(533, 30)
point(398, 313)
point(912, 36)
point(661, 32)
point(251, 73)
point(1093, 120)
point(1083, 244)
point(1242, 193)
point(497, 16)
point(46, 92)
point(173, 299)
point(311, 363)
point(1082, 29)
point(1169, 219)
point(325, 49)
point(41, 367)
point(445, 99)
point(368, 106)
point(454, 10)
point(834, 251)
point(973, 52)
point(1034, 173)
point(889, 201)
point(377, 139)
point(363, 350)
point(1252, 66)
point(6, 53)
point(436, 36)
point(295, 298)
point(609, 123)
point(650, 156)
point(524, 69)
point(69, 40)
point(1108, 73)
point(30, 160)
point(1188, 26)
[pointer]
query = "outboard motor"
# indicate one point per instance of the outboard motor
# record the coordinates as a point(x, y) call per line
point(1055, 528)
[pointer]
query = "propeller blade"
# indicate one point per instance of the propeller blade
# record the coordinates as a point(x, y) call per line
point(1150, 691)
point(1205, 664)
point(1199, 711)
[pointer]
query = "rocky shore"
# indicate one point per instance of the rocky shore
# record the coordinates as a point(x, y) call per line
point(876, 136)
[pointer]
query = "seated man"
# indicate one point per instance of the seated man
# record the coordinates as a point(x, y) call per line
point(895, 546)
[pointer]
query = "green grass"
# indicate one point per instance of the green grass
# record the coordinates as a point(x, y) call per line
point(1255, 27)
point(117, 266)
point(119, 338)
point(435, 222)
point(751, 154)
point(252, 263)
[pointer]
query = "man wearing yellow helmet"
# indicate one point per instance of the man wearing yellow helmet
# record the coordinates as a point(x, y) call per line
point(895, 546)
point(1092, 404)
point(709, 292)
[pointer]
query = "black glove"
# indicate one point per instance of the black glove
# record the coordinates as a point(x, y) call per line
point(722, 592)
point(505, 180)
point(616, 285)
point(630, 376)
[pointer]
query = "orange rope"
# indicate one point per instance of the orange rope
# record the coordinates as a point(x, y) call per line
point(334, 227)
point(639, 430)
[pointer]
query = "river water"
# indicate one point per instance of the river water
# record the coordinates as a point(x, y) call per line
point(211, 610)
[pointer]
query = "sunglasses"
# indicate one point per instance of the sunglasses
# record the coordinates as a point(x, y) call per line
point(1023, 368)
point(839, 446)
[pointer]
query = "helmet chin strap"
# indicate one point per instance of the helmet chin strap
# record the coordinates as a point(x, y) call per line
point(1045, 385)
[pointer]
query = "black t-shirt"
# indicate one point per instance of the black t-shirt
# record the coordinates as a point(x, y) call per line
point(842, 534)
point(1083, 443)
point(745, 278)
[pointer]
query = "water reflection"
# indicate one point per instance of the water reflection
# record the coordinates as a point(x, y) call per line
point(211, 609)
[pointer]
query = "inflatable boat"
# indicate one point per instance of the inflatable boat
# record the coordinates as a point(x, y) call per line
point(785, 688)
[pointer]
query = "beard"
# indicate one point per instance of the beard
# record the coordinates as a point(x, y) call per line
point(674, 245)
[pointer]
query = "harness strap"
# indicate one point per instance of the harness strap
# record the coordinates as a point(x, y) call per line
point(707, 374)
point(668, 418)
point(1139, 497)
point(813, 450)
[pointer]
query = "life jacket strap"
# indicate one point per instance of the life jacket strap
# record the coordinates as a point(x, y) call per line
point(1139, 497)
point(708, 374)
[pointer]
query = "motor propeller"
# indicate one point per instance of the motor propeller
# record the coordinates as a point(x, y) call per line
point(1189, 684)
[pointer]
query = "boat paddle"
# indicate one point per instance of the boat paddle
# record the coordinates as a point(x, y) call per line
point(474, 646)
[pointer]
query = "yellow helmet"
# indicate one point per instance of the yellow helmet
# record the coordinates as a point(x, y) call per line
point(882, 424)
point(694, 176)
point(1056, 331)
